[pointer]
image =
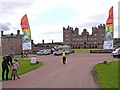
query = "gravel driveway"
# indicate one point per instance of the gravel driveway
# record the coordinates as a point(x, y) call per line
point(76, 73)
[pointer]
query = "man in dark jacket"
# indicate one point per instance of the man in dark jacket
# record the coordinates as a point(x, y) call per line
point(5, 63)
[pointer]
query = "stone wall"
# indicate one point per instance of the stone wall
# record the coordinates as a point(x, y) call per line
point(11, 43)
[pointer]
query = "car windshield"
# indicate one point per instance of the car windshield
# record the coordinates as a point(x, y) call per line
point(117, 49)
point(42, 51)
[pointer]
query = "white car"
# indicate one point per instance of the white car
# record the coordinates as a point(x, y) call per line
point(44, 52)
point(41, 52)
point(116, 53)
point(57, 53)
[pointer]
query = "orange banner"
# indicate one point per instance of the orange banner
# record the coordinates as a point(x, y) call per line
point(108, 41)
point(26, 40)
point(110, 17)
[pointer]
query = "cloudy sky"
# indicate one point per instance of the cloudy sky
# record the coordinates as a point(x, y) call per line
point(48, 17)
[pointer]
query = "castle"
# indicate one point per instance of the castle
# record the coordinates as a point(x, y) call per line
point(85, 40)
point(12, 43)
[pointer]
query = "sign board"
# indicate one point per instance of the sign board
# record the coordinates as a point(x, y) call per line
point(33, 60)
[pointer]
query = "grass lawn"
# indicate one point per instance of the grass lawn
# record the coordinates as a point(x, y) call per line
point(84, 50)
point(25, 66)
point(107, 74)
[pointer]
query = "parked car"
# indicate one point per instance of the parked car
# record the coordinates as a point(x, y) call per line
point(57, 53)
point(44, 52)
point(41, 52)
point(47, 52)
point(59, 49)
point(116, 53)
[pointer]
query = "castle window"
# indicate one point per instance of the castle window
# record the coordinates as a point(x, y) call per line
point(91, 39)
point(84, 46)
point(74, 35)
point(76, 47)
point(73, 47)
point(85, 43)
point(94, 42)
point(75, 42)
point(90, 47)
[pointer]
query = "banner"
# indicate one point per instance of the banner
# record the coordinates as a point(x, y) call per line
point(26, 39)
point(108, 40)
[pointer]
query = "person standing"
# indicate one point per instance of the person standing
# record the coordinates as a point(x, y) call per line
point(14, 69)
point(64, 56)
point(5, 63)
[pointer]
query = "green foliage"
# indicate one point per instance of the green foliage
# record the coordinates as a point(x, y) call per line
point(17, 56)
point(107, 74)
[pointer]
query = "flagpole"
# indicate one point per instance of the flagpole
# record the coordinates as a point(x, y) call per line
point(1, 43)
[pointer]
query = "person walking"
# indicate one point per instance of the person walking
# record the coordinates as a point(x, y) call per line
point(64, 57)
point(5, 63)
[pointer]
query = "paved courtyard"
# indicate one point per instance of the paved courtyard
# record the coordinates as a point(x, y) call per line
point(53, 74)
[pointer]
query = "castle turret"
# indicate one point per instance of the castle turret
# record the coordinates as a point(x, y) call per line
point(85, 32)
point(42, 41)
point(94, 30)
point(68, 27)
point(63, 28)
point(67, 35)
point(18, 32)
point(76, 30)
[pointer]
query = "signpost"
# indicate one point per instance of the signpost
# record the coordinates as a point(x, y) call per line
point(33, 60)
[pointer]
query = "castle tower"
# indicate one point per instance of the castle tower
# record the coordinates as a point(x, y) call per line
point(77, 31)
point(67, 35)
point(94, 30)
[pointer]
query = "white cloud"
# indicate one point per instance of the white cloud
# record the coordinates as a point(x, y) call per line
point(85, 9)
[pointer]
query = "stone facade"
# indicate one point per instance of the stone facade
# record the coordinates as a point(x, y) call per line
point(85, 40)
point(11, 43)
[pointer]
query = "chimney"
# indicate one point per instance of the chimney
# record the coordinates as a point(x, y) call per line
point(1, 33)
point(32, 41)
point(42, 41)
point(52, 41)
point(18, 32)
point(63, 28)
point(11, 34)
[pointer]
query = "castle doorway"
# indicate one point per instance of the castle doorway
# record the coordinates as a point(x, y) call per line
point(85, 47)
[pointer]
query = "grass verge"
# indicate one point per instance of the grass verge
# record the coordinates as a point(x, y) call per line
point(107, 74)
point(84, 50)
